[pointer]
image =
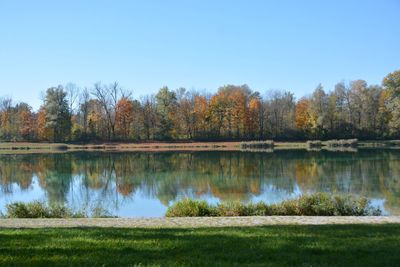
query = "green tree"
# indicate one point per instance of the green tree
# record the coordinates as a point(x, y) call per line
point(166, 103)
point(58, 117)
point(319, 108)
point(392, 83)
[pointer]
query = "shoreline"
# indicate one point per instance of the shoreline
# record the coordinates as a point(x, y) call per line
point(27, 148)
point(196, 222)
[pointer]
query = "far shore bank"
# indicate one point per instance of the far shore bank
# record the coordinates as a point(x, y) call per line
point(26, 147)
point(30, 147)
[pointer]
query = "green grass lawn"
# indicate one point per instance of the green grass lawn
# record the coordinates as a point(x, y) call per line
point(327, 245)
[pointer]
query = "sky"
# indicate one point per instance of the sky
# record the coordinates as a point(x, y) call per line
point(200, 45)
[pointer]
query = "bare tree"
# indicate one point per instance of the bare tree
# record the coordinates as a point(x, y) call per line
point(149, 116)
point(108, 96)
point(72, 96)
point(84, 99)
point(5, 103)
point(279, 107)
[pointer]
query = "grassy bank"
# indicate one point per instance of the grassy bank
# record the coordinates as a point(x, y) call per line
point(330, 245)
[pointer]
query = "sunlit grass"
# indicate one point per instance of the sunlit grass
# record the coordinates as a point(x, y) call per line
point(329, 245)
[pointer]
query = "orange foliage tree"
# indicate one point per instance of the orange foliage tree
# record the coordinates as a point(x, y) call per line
point(124, 117)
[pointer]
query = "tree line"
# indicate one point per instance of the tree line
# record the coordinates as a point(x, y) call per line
point(110, 113)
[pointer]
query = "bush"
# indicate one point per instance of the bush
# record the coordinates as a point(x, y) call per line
point(31, 210)
point(37, 209)
point(342, 143)
point(234, 209)
point(267, 144)
point(60, 147)
point(314, 144)
point(100, 212)
point(190, 208)
point(319, 204)
point(285, 208)
point(394, 143)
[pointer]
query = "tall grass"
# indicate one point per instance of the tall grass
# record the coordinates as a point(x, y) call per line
point(319, 204)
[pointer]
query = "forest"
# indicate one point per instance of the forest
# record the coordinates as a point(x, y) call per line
point(107, 112)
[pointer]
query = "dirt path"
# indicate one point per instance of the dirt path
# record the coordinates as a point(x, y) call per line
point(195, 222)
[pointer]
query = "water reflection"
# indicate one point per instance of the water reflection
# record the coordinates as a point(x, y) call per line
point(144, 184)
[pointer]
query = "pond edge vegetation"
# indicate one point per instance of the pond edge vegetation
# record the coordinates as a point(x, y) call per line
point(318, 204)
point(38, 209)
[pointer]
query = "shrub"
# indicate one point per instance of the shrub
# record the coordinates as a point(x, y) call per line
point(60, 211)
point(314, 144)
point(37, 209)
point(235, 209)
point(267, 144)
point(100, 212)
point(394, 143)
point(319, 204)
point(261, 209)
point(31, 210)
point(60, 147)
point(190, 208)
point(287, 208)
point(342, 143)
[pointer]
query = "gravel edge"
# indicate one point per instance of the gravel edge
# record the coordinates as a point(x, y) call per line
point(195, 222)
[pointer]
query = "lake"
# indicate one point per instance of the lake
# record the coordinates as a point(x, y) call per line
point(143, 184)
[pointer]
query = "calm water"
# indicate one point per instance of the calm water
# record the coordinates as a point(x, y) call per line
point(144, 184)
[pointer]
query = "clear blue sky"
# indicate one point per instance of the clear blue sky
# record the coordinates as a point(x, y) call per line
point(144, 45)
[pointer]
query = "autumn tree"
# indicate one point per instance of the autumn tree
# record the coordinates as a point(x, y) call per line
point(96, 122)
point(200, 113)
point(6, 107)
point(108, 97)
point(185, 116)
point(43, 133)
point(352, 109)
point(124, 117)
point(255, 118)
point(25, 121)
point(303, 118)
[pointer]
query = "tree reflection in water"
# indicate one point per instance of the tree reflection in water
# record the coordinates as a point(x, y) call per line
point(116, 180)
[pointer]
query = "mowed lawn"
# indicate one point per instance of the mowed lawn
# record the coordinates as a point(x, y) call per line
point(326, 245)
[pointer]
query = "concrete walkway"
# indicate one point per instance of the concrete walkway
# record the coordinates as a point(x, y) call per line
point(195, 222)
